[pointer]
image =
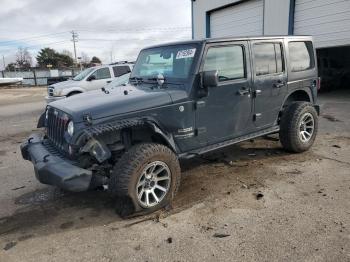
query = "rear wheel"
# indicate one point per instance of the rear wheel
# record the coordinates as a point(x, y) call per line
point(146, 178)
point(298, 128)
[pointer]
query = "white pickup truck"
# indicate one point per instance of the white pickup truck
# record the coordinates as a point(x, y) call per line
point(90, 79)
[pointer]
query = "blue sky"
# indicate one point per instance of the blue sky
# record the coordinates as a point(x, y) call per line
point(110, 29)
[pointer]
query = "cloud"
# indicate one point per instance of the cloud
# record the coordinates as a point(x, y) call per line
point(110, 29)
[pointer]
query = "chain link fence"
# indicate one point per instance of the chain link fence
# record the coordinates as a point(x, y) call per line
point(39, 77)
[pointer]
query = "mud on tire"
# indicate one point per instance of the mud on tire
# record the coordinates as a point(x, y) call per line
point(295, 120)
point(132, 173)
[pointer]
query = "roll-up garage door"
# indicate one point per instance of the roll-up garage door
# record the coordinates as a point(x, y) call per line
point(243, 19)
point(327, 20)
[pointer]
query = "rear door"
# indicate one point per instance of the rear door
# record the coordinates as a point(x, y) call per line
point(121, 70)
point(270, 81)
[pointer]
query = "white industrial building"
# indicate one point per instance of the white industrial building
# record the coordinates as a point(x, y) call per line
point(328, 21)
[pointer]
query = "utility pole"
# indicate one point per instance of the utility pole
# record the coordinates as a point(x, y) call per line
point(74, 40)
point(3, 60)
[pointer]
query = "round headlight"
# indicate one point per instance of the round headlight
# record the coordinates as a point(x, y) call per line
point(70, 128)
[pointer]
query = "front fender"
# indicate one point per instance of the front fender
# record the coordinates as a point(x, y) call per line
point(95, 131)
point(68, 90)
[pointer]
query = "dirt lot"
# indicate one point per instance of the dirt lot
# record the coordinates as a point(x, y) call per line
point(250, 202)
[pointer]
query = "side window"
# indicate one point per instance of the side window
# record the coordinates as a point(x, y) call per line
point(228, 60)
point(268, 58)
point(121, 70)
point(301, 56)
point(102, 73)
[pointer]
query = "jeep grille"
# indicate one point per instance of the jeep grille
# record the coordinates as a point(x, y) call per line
point(57, 122)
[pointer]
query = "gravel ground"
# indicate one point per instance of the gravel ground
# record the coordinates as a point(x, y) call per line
point(249, 202)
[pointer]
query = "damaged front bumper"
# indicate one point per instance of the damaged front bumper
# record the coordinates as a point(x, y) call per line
point(53, 169)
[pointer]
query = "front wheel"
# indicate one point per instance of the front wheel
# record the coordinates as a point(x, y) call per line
point(146, 178)
point(298, 127)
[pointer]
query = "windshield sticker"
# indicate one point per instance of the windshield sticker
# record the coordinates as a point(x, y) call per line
point(186, 53)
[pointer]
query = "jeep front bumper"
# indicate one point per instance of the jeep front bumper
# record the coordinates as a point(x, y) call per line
point(52, 169)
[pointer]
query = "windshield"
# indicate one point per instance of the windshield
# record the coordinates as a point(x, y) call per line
point(124, 79)
point(170, 61)
point(83, 74)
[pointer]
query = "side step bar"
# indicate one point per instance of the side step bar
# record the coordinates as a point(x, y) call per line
point(226, 143)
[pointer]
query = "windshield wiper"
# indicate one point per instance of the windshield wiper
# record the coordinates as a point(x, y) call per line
point(160, 79)
point(137, 79)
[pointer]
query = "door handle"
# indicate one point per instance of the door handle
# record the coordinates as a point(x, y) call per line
point(108, 81)
point(243, 92)
point(279, 84)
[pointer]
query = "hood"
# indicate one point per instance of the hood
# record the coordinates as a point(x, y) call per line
point(119, 100)
point(66, 84)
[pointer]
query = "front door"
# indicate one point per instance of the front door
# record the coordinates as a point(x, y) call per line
point(102, 77)
point(225, 112)
point(270, 81)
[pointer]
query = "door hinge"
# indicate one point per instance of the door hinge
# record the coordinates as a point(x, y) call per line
point(201, 130)
point(200, 104)
point(256, 93)
point(257, 116)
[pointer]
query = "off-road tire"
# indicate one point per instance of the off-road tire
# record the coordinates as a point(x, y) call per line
point(289, 127)
point(127, 171)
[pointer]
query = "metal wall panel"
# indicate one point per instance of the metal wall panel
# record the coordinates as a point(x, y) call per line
point(243, 19)
point(276, 17)
point(327, 20)
point(199, 13)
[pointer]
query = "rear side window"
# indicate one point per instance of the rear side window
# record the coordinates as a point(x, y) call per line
point(301, 56)
point(121, 70)
point(228, 60)
point(102, 73)
point(268, 58)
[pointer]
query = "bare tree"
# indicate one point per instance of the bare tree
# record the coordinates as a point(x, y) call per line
point(67, 53)
point(85, 58)
point(23, 58)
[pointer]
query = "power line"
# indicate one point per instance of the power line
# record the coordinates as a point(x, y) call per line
point(155, 29)
point(149, 29)
point(130, 39)
point(28, 38)
point(38, 45)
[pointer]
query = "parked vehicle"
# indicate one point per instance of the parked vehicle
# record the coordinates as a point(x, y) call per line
point(10, 81)
point(89, 79)
point(183, 100)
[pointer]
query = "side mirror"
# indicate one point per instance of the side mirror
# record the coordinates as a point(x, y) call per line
point(91, 78)
point(210, 78)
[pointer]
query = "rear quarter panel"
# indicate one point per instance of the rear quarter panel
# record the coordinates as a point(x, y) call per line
point(302, 80)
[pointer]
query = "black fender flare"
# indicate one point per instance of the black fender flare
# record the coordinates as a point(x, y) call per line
point(41, 121)
point(94, 131)
point(167, 137)
point(308, 92)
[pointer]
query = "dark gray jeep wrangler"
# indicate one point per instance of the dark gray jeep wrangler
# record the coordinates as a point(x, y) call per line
point(183, 100)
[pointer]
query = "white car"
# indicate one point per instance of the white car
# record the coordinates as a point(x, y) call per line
point(90, 79)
